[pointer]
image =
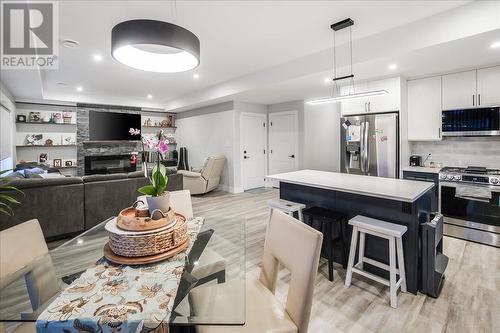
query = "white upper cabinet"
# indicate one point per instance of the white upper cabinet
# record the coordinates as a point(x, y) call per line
point(355, 105)
point(381, 103)
point(424, 109)
point(459, 90)
point(488, 86)
point(387, 102)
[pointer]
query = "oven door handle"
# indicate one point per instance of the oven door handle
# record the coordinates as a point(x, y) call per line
point(473, 198)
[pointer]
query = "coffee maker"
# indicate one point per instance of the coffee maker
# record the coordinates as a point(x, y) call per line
point(415, 160)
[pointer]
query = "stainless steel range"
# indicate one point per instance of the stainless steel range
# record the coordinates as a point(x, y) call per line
point(470, 202)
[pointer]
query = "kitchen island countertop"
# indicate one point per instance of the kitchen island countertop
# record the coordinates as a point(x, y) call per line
point(386, 188)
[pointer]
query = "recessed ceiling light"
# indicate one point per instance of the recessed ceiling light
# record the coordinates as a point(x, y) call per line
point(392, 67)
point(196, 76)
point(327, 80)
point(79, 88)
point(70, 43)
point(150, 96)
point(97, 57)
point(495, 45)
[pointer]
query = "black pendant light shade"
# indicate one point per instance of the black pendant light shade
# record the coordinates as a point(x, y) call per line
point(155, 46)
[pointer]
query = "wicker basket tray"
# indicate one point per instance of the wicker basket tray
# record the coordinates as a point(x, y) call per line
point(151, 243)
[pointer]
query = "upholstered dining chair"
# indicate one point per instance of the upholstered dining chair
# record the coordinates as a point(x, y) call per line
point(23, 252)
point(292, 244)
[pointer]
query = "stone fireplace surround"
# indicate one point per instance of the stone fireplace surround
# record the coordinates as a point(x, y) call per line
point(86, 148)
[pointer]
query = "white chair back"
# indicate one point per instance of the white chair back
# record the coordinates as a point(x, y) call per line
point(180, 202)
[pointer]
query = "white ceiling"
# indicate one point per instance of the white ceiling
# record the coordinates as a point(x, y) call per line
point(261, 51)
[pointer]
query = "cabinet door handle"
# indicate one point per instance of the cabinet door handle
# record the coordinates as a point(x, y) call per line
point(439, 133)
point(473, 100)
point(369, 106)
point(365, 107)
point(478, 99)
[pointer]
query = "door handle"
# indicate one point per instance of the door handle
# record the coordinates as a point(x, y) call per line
point(367, 148)
point(473, 100)
point(478, 99)
point(291, 156)
point(245, 157)
point(369, 106)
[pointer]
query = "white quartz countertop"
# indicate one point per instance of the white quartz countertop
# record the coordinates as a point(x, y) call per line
point(421, 169)
point(387, 188)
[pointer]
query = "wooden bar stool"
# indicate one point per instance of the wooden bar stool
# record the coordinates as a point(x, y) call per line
point(324, 220)
point(287, 207)
point(390, 231)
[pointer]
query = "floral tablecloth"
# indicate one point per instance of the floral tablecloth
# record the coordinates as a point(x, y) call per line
point(111, 298)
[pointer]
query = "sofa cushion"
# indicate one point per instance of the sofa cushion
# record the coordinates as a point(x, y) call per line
point(40, 182)
point(100, 178)
point(30, 174)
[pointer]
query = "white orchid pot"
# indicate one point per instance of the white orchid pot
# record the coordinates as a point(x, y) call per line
point(162, 203)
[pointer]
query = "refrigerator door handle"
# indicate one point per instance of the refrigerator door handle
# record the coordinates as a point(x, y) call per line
point(362, 147)
point(366, 147)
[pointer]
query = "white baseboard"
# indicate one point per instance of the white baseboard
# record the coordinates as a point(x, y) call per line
point(230, 189)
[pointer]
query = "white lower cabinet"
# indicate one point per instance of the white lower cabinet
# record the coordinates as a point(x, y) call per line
point(424, 109)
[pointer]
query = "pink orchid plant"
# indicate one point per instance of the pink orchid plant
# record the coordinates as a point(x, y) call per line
point(158, 178)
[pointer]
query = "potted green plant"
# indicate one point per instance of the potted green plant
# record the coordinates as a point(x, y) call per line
point(157, 196)
point(6, 199)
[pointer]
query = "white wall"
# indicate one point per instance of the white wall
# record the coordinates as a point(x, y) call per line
point(322, 137)
point(209, 131)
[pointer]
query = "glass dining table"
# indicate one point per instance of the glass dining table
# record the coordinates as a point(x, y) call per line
point(211, 289)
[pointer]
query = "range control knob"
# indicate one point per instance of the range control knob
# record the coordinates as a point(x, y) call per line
point(450, 177)
point(442, 176)
point(457, 177)
point(493, 180)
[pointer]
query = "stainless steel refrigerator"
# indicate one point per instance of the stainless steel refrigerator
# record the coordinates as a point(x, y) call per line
point(370, 144)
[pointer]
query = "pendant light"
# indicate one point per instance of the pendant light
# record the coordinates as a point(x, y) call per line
point(155, 46)
point(336, 96)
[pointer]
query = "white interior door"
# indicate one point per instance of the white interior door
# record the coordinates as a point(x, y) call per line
point(283, 142)
point(253, 149)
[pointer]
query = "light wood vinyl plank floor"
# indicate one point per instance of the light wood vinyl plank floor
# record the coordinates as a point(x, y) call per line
point(469, 302)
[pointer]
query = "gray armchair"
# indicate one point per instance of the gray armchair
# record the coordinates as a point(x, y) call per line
point(205, 179)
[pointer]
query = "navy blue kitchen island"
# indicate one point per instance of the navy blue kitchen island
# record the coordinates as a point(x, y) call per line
point(399, 201)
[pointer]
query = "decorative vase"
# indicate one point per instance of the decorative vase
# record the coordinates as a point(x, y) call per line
point(162, 203)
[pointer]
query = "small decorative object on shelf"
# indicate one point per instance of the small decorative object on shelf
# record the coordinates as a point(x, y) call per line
point(57, 162)
point(159, 199)
point(68, 141)
point(67, 117)
point(58, 119)
point(149, 122)
point(21, 118)
point(35, 117)
point(42, 158)
point(49, 142)
point(68, 163)
point(171, 121)
point(46, 119)
point(34, 139)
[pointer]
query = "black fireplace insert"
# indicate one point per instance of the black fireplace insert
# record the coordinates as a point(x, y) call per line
point(105, 164)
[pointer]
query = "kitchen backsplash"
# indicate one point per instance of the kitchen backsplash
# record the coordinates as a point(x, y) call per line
point(463, 151)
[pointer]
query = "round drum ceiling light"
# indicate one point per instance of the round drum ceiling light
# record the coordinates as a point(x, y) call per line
point(155, 46)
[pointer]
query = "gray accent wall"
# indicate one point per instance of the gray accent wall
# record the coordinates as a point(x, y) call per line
point(101, 148)
point(464, 151)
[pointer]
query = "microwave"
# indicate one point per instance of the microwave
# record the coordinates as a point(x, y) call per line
point(471, 122)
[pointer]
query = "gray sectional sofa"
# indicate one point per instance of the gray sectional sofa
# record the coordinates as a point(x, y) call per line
point(70, 205)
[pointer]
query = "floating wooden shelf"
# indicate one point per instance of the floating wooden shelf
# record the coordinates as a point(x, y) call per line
point(35, 123)
point(166, 127)
point(44, 146)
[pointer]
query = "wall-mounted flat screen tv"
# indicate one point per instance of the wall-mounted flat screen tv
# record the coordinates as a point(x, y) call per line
point(113, 126)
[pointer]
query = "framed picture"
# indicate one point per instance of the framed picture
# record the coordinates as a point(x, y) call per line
point(57, 162)
point(35, 117)
point(68, 163)
point(42, 158)
point(21, 118)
